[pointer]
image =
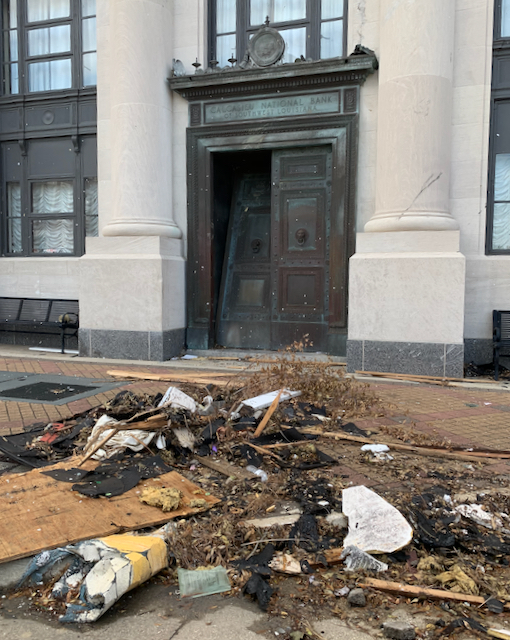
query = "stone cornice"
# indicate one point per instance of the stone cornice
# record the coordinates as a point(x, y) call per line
point(237, 82)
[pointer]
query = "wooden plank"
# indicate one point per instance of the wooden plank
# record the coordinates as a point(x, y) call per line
point(219, 379)
point(472, 456)
point(226, 469)
point(418, 378)
point(267, 417)
point(411, 591)
point(40, 513)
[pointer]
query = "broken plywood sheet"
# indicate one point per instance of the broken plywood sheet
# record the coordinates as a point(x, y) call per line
point(375, 526)
point(39, 512)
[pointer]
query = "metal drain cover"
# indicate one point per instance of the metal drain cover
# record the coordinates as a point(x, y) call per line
point(46, 391)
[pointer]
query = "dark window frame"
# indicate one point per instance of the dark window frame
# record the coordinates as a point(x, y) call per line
point(78, 165)
point(312, 22)
point(78, 175)
point(500, 95)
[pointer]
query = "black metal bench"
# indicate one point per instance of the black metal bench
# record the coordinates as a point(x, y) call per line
point(38, 315)
point(500, 337)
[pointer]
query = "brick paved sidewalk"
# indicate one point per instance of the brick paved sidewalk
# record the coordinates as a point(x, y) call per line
point(464, 415)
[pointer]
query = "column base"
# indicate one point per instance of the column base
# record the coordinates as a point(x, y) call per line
point(415, 358)
point(412, 221)
point(155, 346)
point(142, 228)
point(406, 304)
point(132, 298)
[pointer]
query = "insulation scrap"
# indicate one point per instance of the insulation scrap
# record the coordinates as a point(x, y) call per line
point(457, 580)
point(168, 499)
point(197, 503)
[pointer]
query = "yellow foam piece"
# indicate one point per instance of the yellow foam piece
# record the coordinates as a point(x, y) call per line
point(147, 554)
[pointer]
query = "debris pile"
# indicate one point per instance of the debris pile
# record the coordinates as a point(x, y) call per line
point(265, 483)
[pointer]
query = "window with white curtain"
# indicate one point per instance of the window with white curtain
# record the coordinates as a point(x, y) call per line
point(48, 45)
point(505, 19)
point(49, 216)
point(311, 29)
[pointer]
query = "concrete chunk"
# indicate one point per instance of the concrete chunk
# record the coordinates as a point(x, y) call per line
point(399, 630)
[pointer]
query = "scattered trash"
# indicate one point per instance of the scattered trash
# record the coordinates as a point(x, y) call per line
point(257, 472)
point(94, 574)
point(357, 560)
point(115, 441)
point(177, 399)
point(285, 563)
point(478, 514)
point(206, 582)
point(265, 400)
point(503, 634)
point(294, 529)
point(375, 526)
point(380, 451)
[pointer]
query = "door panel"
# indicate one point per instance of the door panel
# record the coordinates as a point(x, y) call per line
point(301, 223)
point(244, 313)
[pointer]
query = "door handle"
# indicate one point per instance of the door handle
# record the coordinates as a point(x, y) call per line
point(256, 245)
point(301, 236)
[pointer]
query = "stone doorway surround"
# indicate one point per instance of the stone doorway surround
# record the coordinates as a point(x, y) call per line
point(283, 107)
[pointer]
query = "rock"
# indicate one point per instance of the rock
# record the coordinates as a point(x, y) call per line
point(399, 630)
point(356, 598)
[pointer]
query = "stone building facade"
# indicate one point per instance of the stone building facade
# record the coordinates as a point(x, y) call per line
point(265, 169)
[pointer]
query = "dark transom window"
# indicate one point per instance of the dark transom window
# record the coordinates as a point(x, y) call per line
point(312, 29)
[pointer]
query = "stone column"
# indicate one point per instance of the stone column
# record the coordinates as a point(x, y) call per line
point(141, 166)
point(132, 291)
point(407, 277)
point(414, 116)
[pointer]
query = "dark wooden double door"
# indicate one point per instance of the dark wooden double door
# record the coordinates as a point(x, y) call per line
point(275, 280)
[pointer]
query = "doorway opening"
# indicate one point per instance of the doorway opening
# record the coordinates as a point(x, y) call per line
point(271, 246)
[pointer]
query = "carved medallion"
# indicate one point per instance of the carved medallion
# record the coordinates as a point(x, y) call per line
point(266, 47)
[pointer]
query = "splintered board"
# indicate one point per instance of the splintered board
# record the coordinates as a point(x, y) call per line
point(193, 377)
point(41, 513)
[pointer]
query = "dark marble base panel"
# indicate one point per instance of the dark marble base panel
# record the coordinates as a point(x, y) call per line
point(416, 358)
point(478, 350)
point(132, 345)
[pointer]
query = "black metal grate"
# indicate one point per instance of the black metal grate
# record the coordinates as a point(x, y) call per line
point(46, 391)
